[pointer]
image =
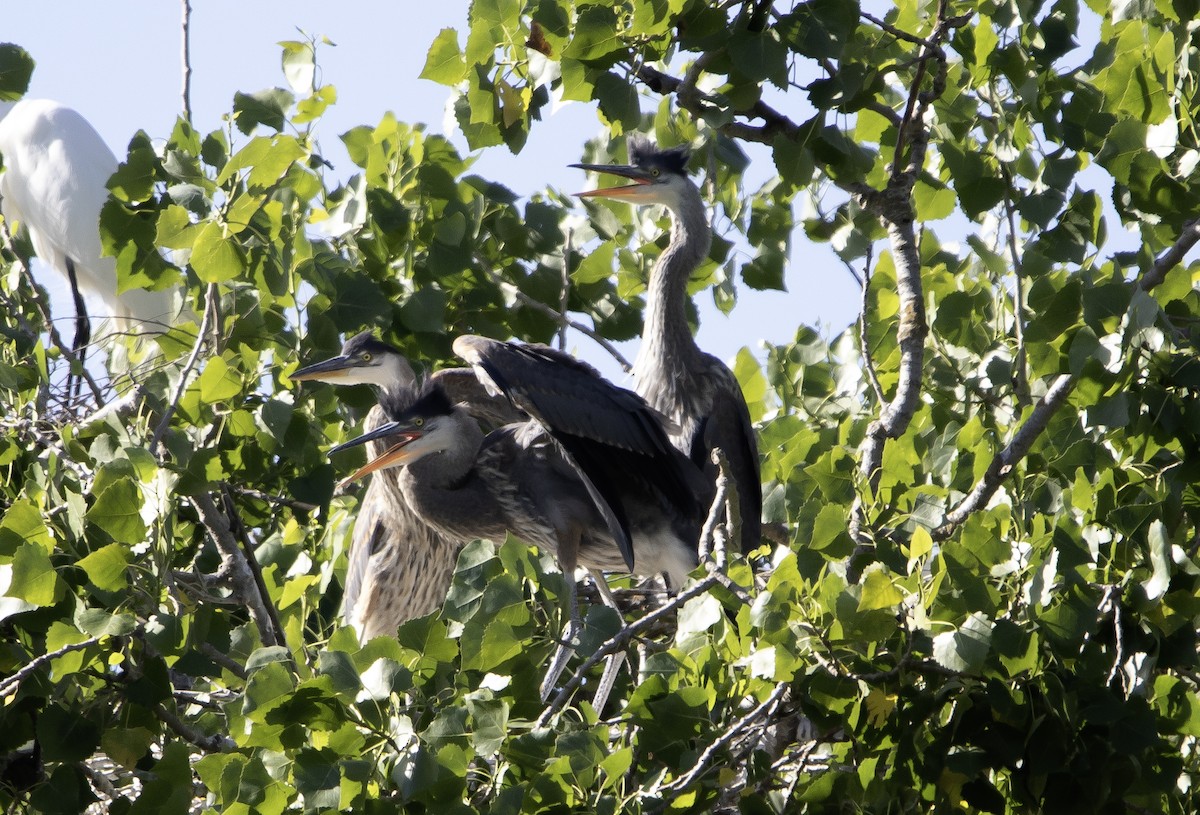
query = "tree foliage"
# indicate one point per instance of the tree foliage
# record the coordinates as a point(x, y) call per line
point(988, 596)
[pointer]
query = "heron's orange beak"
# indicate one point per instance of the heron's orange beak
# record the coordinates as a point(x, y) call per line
point(395, 455)
point(641, 180)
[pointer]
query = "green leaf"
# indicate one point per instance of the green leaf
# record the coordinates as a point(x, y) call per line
point(299, 66)
point(597, 266)
point(33, 577)
point(107, 567)
point(216, 257)
point(445, 63)
point(267, 107)
point(22, 523)
point(99, 623)
point(219, 382)
point(595, 35)
point(878, 591)
point(16, 69)
point(966, 649)
point(117, 511)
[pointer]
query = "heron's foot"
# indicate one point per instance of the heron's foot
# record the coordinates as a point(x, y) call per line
point(566, 647)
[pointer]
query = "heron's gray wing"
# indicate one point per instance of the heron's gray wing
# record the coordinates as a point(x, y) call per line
point(612, 437)
point(565, 394)
point(463, 387)
point(728, 426)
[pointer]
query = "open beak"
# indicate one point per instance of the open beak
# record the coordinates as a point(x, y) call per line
point(398, 453)
point(640, 178)
point(330, 369)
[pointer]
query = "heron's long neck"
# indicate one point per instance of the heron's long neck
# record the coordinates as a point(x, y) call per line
point(667, 340)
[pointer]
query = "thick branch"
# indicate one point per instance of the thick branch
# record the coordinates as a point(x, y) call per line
point(235, 569)
point(214, 743)
point(1172, 257)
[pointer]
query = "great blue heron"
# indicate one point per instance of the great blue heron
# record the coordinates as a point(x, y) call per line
point(695, 390)
point(608, 493)
point(400, 567)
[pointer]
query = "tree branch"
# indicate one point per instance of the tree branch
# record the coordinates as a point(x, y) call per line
point(214, 743)
point(165, 422)
point(726, 738)
point(10, 683)
point(186, 57)
point(234, 568)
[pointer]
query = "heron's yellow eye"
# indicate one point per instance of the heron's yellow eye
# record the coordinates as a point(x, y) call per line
point(365, 356)
point(419, 422)
point(654, 172)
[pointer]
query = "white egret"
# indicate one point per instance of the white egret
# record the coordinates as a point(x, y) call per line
point(56, 171)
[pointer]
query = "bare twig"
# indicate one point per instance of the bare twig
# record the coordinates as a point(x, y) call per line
point(564, 293)
point(187, 61)
point(224, 660)
point(708, 531)
point(537, 305)
point(185, 374)
point(239, 529)
point(1004, 461)
point(10, 683)
point(1020, 374)
point(1007, 458)
point(280, 500)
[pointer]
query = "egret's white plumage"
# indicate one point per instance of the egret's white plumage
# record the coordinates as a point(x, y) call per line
point(54, 184)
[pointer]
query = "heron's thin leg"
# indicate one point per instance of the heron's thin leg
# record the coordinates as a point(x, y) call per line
point(612, 665)
point(566, 644)
point(83, 333)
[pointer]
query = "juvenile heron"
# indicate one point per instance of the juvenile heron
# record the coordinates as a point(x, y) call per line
point(400, 567)
point(605, 489)
point(695, 390)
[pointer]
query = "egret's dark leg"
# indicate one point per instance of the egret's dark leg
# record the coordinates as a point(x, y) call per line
point(83, 333)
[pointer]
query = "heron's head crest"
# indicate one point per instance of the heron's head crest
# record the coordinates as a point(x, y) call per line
point(367, 341)
point(643, 153)
point(431, 401)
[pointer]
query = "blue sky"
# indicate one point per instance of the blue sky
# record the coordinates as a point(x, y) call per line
point(118, 63)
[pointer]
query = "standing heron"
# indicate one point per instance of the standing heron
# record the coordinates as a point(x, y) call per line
point(695, 390)
point(400, 567)
point(55, 182)
point(605, 489)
